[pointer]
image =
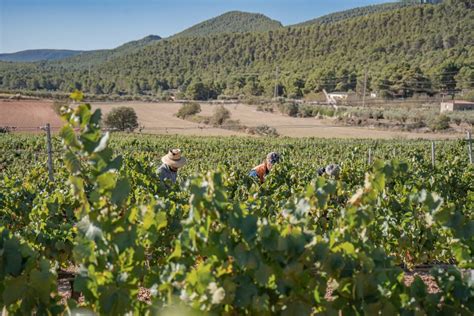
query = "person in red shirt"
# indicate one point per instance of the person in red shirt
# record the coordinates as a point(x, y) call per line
point(263, 169)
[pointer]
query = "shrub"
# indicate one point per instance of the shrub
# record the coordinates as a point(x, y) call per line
point(220, 115)
point(416, 117)
point(440, 122)
point(200, 119)
point(399, 115)
point(457, 120)
point(306, 111)
point(469, 96)
point(414, 125)
point(378, 115)
point(122, 119)
point(252, 100)
point(188, 109)
point(265, 108)
point(196, 91)
point(326, 111)
point(290, 109)
point(263, 130)
point(233, 125)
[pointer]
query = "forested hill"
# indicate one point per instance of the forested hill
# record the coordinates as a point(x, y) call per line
point(39, 54)
point(425, 48)
point(356, 12)
point(96, 57)
point(138, 43)
point(75, 56)
point(232, 22)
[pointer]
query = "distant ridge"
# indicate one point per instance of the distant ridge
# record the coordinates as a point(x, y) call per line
point(35, 55)
point(232, 22)
point(139, 43)
point(39, 55)
point(99, 56)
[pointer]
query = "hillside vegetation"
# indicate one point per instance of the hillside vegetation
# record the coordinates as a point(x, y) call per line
point(356, 12)
point(415, 49)
point(363, 11)
point(232, 22)
point(39, 54)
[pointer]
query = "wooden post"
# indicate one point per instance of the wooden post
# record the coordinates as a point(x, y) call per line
point(50, 152)
point(433, 157)
point(469, 147)
point(369, 159)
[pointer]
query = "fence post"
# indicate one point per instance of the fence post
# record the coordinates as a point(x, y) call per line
point(469, 147)
point(50, 152)
point(369, 159)
point(433, 157)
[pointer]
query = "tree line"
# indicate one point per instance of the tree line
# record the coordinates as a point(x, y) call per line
point(416, 49)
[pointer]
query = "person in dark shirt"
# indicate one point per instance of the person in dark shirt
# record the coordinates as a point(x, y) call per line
point(172, 161)
point(332, 170)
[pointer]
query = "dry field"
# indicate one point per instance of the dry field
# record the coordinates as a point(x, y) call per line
point(159, 118)
point(28, 115)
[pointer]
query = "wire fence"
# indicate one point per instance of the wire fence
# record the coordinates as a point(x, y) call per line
point(236, 152)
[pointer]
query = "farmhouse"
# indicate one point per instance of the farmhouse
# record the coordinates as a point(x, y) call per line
point(456, 105)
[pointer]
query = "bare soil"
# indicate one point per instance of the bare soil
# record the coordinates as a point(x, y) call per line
point(28, 115)
point(159, 118)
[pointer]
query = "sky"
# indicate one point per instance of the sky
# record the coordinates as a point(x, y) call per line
point(98, 24)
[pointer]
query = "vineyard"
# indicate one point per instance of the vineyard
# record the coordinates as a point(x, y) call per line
point(218, 242)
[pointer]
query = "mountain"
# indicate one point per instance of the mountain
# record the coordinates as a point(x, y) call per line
point(356, 12)
point(39, 54)
point(79, 57)
point(364, 11)
point(133, 45)
point(92, 58)
point(427, 48)
point(232, 22)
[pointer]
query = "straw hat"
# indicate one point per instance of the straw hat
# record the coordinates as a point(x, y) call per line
point(173, 158)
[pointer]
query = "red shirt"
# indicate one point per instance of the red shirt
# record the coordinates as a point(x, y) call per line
point(261, 171)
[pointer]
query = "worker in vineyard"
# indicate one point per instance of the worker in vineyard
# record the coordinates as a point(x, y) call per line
point(263, 169)
point(331, 170)
point(172, 161)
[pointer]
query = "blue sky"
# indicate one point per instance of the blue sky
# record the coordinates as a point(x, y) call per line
point(95, 24)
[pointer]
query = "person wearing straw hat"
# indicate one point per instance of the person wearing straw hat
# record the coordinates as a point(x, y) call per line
point(263, 169)
point(172, 161)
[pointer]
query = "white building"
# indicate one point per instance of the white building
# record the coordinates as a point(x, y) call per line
point(339, 95)
point(456, 105)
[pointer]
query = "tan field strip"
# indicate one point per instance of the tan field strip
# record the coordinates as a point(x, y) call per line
point(159, 118)
point(28, 115)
